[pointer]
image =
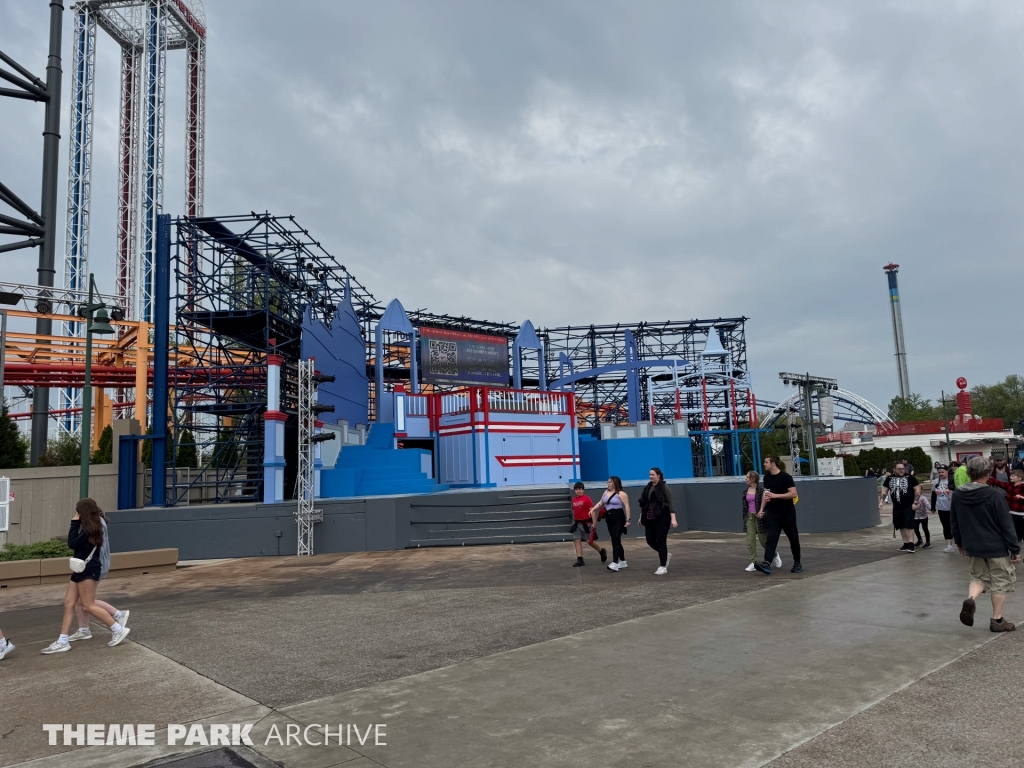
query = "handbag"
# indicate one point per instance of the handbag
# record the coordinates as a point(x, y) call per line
point(77, 565)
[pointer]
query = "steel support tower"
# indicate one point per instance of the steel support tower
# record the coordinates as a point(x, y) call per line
point(305, 515)
point(145, 30)
point(892, 272)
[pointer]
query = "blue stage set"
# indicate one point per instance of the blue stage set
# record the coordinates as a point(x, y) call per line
point(413, 402)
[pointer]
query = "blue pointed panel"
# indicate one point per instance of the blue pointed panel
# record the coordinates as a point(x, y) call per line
point(339, 351)
point(395, 319)
point(527, 337)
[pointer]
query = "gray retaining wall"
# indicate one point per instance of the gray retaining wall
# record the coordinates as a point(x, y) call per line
point(480, 516)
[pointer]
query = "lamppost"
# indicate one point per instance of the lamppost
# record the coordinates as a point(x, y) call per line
point(101, 324)
point(945, 425)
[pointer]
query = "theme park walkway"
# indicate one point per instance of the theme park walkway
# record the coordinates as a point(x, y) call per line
point(506, 656)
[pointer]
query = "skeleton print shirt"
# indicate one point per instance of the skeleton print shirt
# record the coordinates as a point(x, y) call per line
point(901, 490)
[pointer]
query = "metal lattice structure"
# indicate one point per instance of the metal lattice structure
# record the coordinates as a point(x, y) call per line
point(604, 397)
point(240, 287)
point(146, 30)
point(305, 515)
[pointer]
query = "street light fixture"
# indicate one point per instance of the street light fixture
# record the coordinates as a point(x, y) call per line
point(100, 323)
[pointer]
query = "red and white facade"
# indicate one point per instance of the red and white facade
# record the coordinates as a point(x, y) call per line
point(488, 437)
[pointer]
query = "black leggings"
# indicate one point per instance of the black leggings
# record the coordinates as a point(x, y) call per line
point(1018, 526)
point(657, 537)
point(947, 529)
point(777, 523)
point(920, 525)
point(616, 522)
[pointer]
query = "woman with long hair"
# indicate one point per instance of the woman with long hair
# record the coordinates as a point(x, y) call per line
point(616, 507)
point(754, 526)
point(85, 538)
point(84, 632)
point(657, 515)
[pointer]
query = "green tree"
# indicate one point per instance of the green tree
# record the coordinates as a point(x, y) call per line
point(913, 408)
point(885, 458)
point(13, 447)
point(187, 455)
point(104, 453)
point(65, 451)
point(1004, 400)
point(147, 450)
point(224, 453)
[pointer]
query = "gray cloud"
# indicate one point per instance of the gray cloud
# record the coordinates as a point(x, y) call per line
point(594, 162)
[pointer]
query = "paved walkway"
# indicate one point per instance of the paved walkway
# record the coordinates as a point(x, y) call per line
point(508, 657)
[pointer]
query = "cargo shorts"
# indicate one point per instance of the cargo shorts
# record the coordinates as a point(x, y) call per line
point(995, 574)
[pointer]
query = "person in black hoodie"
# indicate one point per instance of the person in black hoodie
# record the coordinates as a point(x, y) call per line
point(85, 538)
point(657, 515)
point(983, 532)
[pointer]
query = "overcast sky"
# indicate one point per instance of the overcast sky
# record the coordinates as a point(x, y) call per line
point(594, 162)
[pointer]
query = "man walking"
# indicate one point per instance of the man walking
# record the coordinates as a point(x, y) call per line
point(984, 533)
point(777, 504)
point(904, 491)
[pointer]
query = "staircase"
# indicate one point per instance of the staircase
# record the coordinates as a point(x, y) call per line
point(507, 517)
point(378, 468)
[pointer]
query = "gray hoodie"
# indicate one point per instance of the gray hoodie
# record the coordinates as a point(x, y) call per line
point(981, 522)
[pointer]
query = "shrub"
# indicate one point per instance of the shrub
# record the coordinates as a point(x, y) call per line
point(39, 551)
point(104, 453)
point(65, 451)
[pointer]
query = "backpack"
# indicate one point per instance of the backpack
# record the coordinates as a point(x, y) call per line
point(104, 552)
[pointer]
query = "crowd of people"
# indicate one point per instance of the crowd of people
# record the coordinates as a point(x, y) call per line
point(769, 510)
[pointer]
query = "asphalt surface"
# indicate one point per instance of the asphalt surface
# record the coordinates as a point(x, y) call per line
point(858, 659)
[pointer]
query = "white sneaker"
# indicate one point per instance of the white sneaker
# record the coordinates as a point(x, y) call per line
point(613, 566)
point(121, 617)
point(750, 568)
point(622, 564)
point(57, 647)
point(82, 633)
point(949, 548)
point(777, 562)
point(662, 571)
point(6, 648)
point(117, 637)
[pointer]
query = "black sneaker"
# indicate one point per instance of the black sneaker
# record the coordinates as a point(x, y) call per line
point(967, 612)
point(911, 549)
point(764, 567)
point(904, 548)
point(928, 545)
point(578, 563)
point(604, 555)
point(797, 568)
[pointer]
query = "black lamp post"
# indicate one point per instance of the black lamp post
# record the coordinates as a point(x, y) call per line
point(98, 324)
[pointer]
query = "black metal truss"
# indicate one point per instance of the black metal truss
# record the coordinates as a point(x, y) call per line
point(604, 397)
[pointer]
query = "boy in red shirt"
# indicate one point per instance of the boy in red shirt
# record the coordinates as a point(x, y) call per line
point(1014, 498)
point(582, 521)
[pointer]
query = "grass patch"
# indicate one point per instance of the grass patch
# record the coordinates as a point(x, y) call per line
point(41, 550)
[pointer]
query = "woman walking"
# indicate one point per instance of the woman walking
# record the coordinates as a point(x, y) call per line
point(942, 499)
point(85, 537)
point(657, 515)
point(84, 632)
point(754, 526)
point(616, 508)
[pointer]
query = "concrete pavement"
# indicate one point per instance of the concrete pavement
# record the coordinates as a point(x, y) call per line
point(507, 657)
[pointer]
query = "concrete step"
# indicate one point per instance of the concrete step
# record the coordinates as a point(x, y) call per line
point(458, 541)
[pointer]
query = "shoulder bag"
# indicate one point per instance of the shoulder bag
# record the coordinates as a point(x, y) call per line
point(77, 565)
